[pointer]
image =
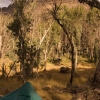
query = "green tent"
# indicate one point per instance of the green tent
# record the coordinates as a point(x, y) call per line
point(26, 92)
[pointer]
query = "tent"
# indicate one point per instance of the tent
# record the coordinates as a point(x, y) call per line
point(25, 92)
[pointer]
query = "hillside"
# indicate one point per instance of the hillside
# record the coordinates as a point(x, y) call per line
point(69, 3)
point(86, 3)
point(9, 9)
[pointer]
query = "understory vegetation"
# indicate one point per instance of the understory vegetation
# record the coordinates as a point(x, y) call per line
point(51, 85)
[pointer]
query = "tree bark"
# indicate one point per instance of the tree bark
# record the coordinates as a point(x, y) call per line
point(45, 62)
point(96, 79)
point(54, 13)
point(76, 57)
point(73, 63)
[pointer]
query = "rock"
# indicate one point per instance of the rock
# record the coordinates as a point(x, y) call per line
point(64, 70)
point(97, 91)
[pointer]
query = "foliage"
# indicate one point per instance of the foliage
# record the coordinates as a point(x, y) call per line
point(91, 3)
point(82, 28)
point(20, 26)
point(91, 26)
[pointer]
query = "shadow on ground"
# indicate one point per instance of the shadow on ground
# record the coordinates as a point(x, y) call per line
point(82, 75)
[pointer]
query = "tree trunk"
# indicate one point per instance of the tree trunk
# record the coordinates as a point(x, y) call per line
point(3, 71)
point(73, 63)
point(96, 79)
point(22, 57)
point(45, 63)
point(76, 58)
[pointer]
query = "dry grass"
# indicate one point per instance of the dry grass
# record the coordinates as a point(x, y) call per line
point(47, 90)
point(49, 83)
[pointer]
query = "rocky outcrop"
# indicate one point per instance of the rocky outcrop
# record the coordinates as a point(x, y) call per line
point(9, 9)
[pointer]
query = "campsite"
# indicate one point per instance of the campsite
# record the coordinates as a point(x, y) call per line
point(50, 50)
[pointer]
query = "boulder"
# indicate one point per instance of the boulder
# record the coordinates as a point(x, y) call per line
point(64, 70)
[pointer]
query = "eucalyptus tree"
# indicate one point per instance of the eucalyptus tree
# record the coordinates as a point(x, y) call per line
point(43, 31)
point(6, 41)
point(51, 45)
point(91, 32)
point(93, 19)
point(19, 27)
point(55, 43)
point(93, 22)
point(70, 20)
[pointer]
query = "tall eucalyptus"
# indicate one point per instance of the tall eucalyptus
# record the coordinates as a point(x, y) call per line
point(19, 27)
point(70, 20)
